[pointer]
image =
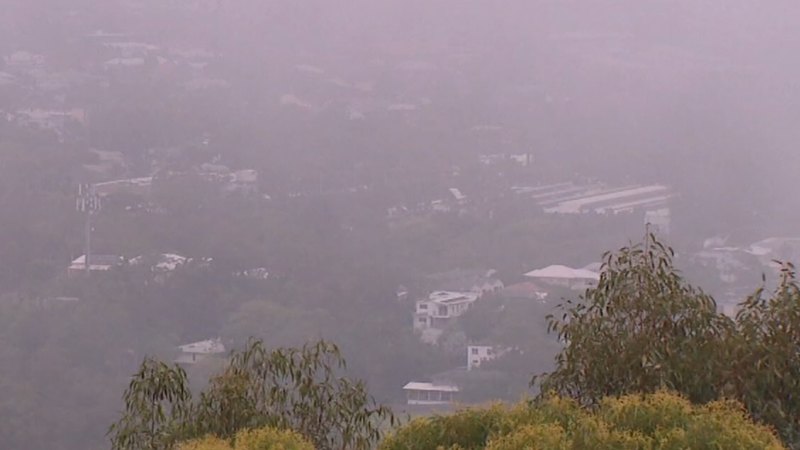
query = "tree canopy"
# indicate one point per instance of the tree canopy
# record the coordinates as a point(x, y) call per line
point(643, 328)
point(258, 439)
point(655, 421)
point(300, 389)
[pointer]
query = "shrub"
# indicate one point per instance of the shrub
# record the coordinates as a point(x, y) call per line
point(643, 328)
point(259, 439)
point(271, 439)
point(469, 429)
point(660, 421)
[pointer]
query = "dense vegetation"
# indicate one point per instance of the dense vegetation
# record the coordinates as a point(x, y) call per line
point(298, 389)
point(644, 328)
point(334, 260)
point(258, 439)
point(656, 421)
point(557, 83)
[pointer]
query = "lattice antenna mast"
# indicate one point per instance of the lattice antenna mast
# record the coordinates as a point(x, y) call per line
point(88, 202)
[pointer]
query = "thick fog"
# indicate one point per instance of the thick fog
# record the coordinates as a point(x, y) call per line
point(179, 172)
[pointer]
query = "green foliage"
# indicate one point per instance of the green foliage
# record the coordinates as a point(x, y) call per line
point(258, 439)
point(271, 439)
point(299, 389)
point(206, 443)
point(672, 422)
point(548, 436)
point(765, 372)
point(157, 407)
point(642, 328)
point(657, 421)
point(293, 388)
point(469, 429)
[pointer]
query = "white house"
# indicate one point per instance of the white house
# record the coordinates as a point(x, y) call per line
point(776, 248)
point(163, 265)
point(198, 351)
point(430, 394)
point(479, 281)
point(457, 195)
point(476, 354)
point(440, 307)
point(563, 276)
point(604, 200)
point(97, 263)
point(135, 186)
point(244, 181)
point(256, 273)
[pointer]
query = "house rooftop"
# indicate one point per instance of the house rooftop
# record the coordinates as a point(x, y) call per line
point(207, 347)
point(97, 260)
point(418, 386)
point(559, 271)
point(617, 199)
point(447, 297)
point(170, 261)
point(772, 244)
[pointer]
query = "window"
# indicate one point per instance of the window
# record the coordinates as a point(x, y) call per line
point(443, 310)
point(474, 351)
point(421, 320)
point(423, 306)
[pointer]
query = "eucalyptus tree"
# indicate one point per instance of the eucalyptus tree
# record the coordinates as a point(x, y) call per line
point(301, 389)
point(765, 366)
point(293, 388)
point(158, 408)
point(640, 329)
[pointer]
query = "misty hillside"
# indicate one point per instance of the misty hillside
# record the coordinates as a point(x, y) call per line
point(421, 182)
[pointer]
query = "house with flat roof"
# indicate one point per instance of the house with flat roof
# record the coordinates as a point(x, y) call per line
point(477, 354)
point(423, 393)
point(199, 351)
point(97, 263)
point(135, 186)
point(432, 314)
point(479, 281)
point(599, 198)
point(614, 200)
point(564, 276)
point(441, 306)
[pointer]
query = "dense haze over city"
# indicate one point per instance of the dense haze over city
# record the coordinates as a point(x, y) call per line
point(291, 170)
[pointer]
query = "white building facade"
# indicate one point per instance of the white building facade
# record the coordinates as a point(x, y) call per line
point(440, 308)
point(430, 394)
point(563, 276)
point(477, 354)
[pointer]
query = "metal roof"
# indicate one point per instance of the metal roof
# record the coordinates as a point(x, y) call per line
point(417, 386)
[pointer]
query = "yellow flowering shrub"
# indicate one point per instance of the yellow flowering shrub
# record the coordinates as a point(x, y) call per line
point(259, 439)
point(660, 421)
